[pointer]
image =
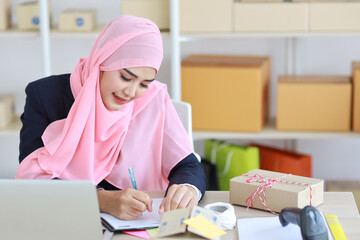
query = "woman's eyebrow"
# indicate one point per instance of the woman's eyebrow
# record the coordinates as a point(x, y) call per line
point(134, 75)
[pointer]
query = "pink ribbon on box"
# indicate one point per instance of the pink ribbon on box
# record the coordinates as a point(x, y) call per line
point(268, 182)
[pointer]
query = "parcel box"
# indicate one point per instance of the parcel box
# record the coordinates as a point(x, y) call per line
point(5, 9)
point(356, 97)
point(281, 190)
point(7, 109)
point(271, 17)
point(155, 10)
point(77, 20)
point(202, 16)
point(227, 93)
point(319, 103)
point(28, 15)
point(335, 16)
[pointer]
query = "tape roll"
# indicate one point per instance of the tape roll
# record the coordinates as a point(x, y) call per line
point(227, 213)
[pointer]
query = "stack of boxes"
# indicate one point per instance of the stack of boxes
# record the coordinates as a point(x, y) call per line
point(77, 20)
point(5, 8)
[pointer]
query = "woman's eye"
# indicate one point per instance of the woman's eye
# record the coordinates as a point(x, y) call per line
point(125, 79)
point(144, 85)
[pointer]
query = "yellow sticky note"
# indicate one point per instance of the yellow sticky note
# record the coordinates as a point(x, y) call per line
point(203, 226)
point(152, 232)
point(335, 227)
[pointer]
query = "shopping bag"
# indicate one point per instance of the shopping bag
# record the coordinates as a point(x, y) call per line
point(231, 160)
point(278, 160)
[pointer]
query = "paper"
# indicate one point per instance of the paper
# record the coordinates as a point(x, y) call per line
point(147, 220)
point(152, 232)
point(203, 226)
point(138, 233)
point(268, 228)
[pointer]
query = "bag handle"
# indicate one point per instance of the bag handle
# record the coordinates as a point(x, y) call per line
point(214, 149)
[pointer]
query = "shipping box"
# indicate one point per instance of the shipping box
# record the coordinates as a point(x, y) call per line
point(155, 10)
point(271, 17)
point(226, 93)
point(356, 97)
point(202, 16)
point(314, 103)
point(286, 190)
point(77, 20)
point(334, 16)
point(7, 109)
point(28, 15)
point(5, 11)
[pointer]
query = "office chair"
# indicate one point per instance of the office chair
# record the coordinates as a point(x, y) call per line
point(183, 109)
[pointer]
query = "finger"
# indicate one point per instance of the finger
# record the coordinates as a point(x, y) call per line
point(168, 198)
point(186, 199)
point(177, 198)
point(161, 207)
point(142, 197)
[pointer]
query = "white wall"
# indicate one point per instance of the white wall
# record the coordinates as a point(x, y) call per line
point(20, 60)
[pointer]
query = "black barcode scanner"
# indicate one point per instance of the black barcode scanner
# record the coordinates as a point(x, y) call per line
point(309, 219)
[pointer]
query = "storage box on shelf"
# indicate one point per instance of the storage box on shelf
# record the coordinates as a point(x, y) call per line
point(226, 93)
point(5, 11)
point(77, 20)
point(155, 10)
point(356, 97)
point(205, 16)
point(334, 16)
point(7, 109)
point(314, 103)
point(28, 16)
point(271, 17)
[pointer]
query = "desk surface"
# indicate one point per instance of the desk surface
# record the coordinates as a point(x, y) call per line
point(341, 204)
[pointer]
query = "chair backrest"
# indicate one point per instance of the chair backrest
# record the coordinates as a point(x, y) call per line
point(183, 109)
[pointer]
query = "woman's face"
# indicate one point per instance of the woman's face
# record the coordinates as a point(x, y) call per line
point(125, 85)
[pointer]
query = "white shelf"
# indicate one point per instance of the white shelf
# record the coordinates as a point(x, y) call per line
point(270, 132)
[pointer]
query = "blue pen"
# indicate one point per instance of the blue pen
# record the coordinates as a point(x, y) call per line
point(132, 178)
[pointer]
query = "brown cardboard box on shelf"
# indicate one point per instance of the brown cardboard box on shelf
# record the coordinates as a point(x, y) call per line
point(28, 16)
point(155, 10)
point(77, 20)
point(314, 103)
point(288, 191)
point(7, 109)
point(334, 16)
point(356, 97)
point(226, 93)
point(271, 17)
point(206, 16)
point(5, 11)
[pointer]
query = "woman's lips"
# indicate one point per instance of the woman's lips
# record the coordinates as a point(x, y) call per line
point(119, 99)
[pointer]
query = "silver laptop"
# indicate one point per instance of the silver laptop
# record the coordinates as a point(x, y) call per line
point(49, 209)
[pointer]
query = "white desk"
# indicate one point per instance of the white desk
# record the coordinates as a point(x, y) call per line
point(341, 204)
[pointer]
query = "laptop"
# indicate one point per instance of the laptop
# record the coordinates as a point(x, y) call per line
point(49, 209)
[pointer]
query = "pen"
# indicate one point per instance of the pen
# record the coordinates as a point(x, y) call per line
point(132, 178)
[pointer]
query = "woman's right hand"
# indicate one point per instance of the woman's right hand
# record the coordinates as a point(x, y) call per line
point(127, 204)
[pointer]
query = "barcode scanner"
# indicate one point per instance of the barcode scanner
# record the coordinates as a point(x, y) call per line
point(309, 219)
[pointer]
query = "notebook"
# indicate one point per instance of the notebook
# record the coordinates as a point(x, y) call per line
point(147, 220)
point(49, 209)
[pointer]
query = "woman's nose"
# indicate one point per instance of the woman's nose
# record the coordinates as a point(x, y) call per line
point(130, 90)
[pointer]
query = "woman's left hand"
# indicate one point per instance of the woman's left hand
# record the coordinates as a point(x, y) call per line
point(179, 196)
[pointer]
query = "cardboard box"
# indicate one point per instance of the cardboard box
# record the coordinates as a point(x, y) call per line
point(235, 86)
point(5, 11)
point(203, 16)
point(271, 17)
point(7, 109)
point(155, 10)
point(315, 103)
point(77, 20)
point(288, 191)
point(356, 97)
point(339, 16)
point(28, 15)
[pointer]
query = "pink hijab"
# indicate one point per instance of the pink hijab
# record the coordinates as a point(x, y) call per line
point(94, 143)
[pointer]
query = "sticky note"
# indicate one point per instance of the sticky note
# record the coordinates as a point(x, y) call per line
point(153, 231)
point(335, 227)
point(138, 233)
point(204, 227)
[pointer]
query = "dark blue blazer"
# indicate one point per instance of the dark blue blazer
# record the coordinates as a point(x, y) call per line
point(50, 99)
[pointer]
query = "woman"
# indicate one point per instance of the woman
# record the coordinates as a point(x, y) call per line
point(107, 116)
